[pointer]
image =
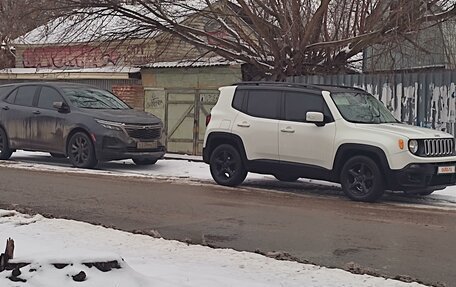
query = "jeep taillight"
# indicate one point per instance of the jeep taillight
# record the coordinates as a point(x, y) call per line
point(208, 119)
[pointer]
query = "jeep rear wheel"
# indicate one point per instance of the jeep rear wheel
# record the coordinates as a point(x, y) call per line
point(226, 166)
point(362, 180)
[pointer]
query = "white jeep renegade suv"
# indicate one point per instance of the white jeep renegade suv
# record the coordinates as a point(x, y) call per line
point(332, 133)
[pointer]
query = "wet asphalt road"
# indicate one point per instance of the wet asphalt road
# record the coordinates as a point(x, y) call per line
point(330, 231)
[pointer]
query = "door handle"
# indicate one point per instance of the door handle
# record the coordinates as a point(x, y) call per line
point(288, 130)
point(36, 112)
point(5, 108)
point(243, 125)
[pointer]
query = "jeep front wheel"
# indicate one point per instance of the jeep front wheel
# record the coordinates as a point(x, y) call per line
point(362, 180)
point(226, 166)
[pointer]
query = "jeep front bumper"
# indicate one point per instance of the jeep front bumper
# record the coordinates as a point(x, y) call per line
point(421, 176)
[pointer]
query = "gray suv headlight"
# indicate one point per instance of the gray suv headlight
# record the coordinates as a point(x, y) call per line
point(110, 125)
point(413, 146)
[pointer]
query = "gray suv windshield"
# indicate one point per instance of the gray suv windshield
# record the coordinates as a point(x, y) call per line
point(362, 108)
point(89, 98)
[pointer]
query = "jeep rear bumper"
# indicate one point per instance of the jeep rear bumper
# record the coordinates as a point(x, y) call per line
point(421, 176)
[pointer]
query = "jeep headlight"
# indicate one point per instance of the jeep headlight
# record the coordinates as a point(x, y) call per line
point(413, 146)
point(110, 125)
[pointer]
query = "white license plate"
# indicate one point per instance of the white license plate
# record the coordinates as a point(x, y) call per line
point(446, 169)
point(146, 145)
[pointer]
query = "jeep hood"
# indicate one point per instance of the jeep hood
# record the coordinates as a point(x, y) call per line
point(412, 132)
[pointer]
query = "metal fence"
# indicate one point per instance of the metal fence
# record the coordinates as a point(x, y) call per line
point(425, 99)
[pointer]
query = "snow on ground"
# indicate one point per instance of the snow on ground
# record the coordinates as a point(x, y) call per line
point(175, 167)
point(184, 168)
point(146, 261)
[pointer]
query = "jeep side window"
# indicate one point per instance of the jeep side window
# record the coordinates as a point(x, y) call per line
point(263, 103)
point(238, 100)
point(297, 104)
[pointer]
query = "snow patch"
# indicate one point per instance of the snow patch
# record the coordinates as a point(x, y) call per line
point(146, 261)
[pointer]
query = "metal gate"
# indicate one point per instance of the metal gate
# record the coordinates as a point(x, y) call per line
point(185, 119)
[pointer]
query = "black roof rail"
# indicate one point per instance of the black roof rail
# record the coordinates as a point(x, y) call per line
point(298, 85)
point(288, 84)
point(340, 86)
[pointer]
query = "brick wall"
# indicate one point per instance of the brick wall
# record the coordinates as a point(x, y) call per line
point(131, 94)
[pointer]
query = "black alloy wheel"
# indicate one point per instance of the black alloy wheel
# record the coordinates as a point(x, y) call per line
point(81, 151)
point(362, 180)
point(226, 166)
point(5, 151)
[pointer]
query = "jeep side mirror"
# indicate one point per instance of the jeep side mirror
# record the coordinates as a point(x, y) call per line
point(61, 106)
point(316, 118)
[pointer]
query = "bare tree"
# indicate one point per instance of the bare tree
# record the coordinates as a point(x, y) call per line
point(16, 18)
point(276, 38)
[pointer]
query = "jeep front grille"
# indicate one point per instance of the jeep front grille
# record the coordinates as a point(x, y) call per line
point(438, 147)
point(143, 132)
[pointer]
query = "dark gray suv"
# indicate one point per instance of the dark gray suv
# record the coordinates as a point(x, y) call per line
point(81, 122)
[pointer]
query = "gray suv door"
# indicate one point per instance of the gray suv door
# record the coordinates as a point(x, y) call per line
point(49, 121)
point(17, 117)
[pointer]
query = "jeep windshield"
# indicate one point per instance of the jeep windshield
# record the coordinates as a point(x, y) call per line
point(89, 98)
point(362, 108)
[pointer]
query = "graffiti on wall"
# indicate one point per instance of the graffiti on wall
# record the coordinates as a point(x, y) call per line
point(439, 103)
point(81, 56)
point(85, 56)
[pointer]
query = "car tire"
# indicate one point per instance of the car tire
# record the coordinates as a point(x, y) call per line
point(81, 151)
point(226, 166)
point(362, 180)
point(286, 178)
point(5, 151)
point(58, 155)
point(145, 161)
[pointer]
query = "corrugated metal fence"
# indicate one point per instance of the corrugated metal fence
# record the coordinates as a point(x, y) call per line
point(425, 99)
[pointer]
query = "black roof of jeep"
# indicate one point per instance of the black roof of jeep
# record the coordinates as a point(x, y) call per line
point(315, 87)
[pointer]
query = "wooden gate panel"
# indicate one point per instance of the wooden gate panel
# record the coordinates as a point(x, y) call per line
point(180, 114)
point(186, 112)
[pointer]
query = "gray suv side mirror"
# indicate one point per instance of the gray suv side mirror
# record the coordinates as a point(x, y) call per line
point(61, 106)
